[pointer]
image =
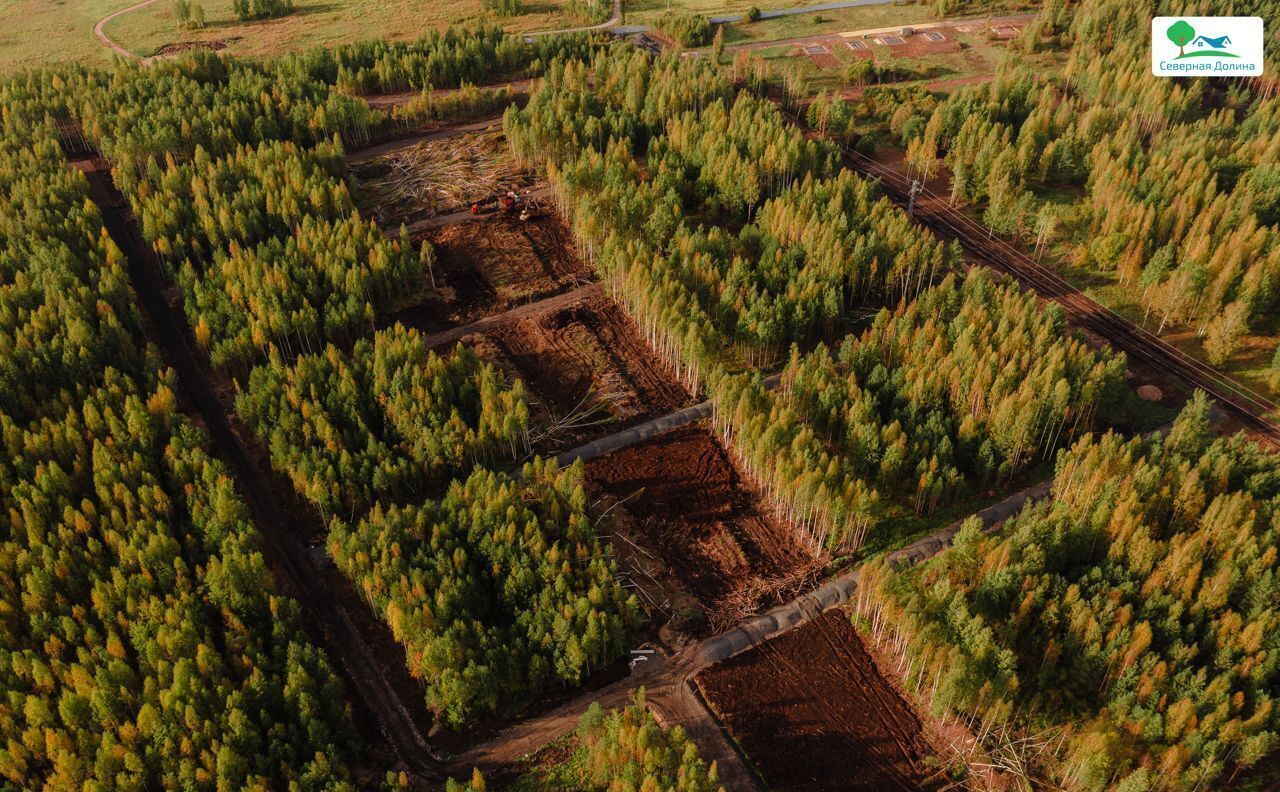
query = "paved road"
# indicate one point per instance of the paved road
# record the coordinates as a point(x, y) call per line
point(100, 34)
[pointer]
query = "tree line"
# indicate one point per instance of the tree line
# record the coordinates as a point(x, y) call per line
point(439, 59)
point(282, 281)
point(1133, 614)
point(954, 392)
point(388, 420)
point(270, 251)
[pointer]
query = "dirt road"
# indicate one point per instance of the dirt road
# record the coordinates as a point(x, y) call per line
point(100, 34)
point(612, 21)
point(935, 212)
point(305, 578)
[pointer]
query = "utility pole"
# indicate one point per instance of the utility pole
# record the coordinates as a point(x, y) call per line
point(916, 187)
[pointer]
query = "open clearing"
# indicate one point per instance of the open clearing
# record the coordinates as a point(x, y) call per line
point(813, 712)
point(689, 507)
point(491, 265)
point(587, 370)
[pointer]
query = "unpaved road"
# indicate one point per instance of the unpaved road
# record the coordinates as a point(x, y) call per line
point(612, 21)
point(100, 34)
point(479, 125)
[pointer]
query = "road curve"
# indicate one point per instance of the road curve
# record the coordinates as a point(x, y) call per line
point(605, 25)
point(100, 34)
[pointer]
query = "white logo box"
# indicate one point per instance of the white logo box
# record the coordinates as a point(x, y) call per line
point(1218, 47)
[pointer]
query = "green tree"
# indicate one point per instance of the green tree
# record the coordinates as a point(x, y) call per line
point(1181, 33)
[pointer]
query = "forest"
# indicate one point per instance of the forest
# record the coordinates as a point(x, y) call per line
point(860, 377)
point(145, 643)
point(1134, 613)
point(1170, 185)
point(625, 750)
point(938, 398)
point(270, 250)
point(497, 589)
point(235, 173)
point(733, 239)
point(390, 420)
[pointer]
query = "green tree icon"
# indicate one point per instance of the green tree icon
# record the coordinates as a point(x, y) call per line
point(1181, 33)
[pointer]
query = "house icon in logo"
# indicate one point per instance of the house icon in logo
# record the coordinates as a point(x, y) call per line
point(1217, 43)
point(1181, 34)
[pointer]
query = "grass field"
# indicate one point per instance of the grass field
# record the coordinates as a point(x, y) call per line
point(978, 58)
point(323, 22)
point(40, 32)
point(37, 33)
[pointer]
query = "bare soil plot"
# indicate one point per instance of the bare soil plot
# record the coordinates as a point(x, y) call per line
point(491, 265)
point(821, 56)
point(813, 712)
point(587, 370)
point(932, 42)
point(690, 508)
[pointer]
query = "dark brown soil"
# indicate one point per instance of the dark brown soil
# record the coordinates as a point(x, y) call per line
point(813, 712)
point(586, 366)
point(690, 508)
point(488, 266)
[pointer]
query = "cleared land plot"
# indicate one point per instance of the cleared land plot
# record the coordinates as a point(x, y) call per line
point(925, 44)
point(490, 265)
point(812, 712)
point(690, 508)
point(587, 370)
point(437, 177)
